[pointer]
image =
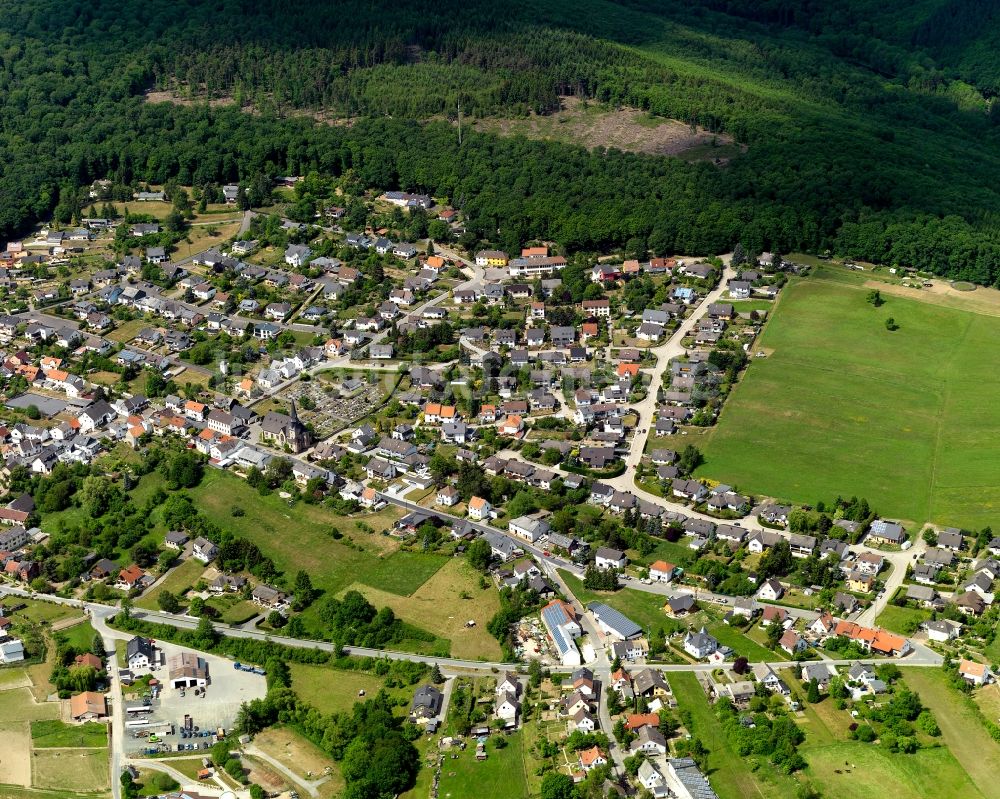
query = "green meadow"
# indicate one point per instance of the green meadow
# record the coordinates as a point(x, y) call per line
point(842, 405)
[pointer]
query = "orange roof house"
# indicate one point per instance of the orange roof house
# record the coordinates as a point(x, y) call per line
point(592, 757)
point(131, 575)
point(630, 369)
point(534, 252)
point(512, 425)
point(88, 705)
point(634, 721)
point(435, 410)
point(88, 659)
point(435, 262)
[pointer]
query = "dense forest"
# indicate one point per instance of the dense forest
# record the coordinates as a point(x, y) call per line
point(871, 127)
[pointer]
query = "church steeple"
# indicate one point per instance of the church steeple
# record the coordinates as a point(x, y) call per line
point(293, 415)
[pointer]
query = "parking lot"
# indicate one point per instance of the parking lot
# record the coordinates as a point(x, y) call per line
point(216, 707)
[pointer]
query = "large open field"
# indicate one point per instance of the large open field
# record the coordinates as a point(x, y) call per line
point(332, 690)
point(443, 604)
point(873, 773)
point(70, 769)
point(360, 557)
point(961, 730)
point(843, 406)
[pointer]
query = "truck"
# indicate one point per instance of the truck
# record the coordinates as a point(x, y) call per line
point(248, 668)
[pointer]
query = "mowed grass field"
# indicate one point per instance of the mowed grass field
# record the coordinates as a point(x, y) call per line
point(842, 406)
point(873, 773)
point(180, 579)
point(732, 776)
point(500, 776)
point(70, 769)
point(58, 734)
point(439, 606)
point(961, 730)
point(332, 690)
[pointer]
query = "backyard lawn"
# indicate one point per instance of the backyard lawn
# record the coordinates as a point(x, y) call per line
point(80, 635)
point(840, 402)
point(500, 776)
point(180, 579)
point(902, 620)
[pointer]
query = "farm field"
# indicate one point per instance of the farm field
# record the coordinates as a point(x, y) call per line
point(18, 704)
point(840, 402)
point(37, 751)
point(438, 606)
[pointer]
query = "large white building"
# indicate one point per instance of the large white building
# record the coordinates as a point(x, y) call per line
point(563, 628)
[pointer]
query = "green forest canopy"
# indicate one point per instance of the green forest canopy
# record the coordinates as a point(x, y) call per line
point(871, 125)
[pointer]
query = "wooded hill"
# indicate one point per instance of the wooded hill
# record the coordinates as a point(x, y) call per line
point(871, 126)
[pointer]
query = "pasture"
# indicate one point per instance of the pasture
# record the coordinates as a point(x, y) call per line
point(54, 734)
point(843, 406)
point(15, 755)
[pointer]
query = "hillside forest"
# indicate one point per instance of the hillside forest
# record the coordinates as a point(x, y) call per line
point(870, 129)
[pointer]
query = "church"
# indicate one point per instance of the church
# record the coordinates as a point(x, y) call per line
point(283, 431)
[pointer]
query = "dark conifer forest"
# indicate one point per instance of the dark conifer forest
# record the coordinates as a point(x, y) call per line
point(871, 128)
